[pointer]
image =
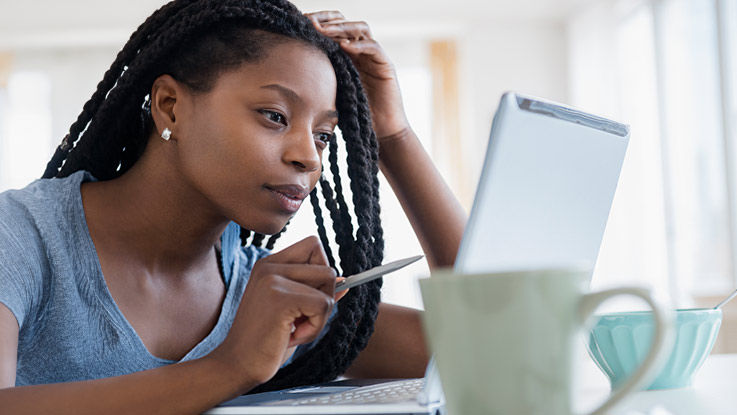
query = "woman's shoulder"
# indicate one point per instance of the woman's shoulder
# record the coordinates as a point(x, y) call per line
point(29, 215)
point(41, 194)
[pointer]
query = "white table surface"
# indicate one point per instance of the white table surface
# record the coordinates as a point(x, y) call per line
point(714, 391)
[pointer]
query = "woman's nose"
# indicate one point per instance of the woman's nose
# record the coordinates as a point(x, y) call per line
point(302, 152)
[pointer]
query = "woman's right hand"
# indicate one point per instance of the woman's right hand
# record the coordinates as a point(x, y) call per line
point(287, 301)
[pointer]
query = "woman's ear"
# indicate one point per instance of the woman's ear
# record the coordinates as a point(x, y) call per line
point(165, 93)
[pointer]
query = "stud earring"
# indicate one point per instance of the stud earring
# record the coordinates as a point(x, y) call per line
point(166, 135)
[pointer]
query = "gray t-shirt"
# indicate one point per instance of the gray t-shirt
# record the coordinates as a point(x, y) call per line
point(51, 280)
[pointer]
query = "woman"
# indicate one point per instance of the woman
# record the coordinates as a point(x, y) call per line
point(123, 283)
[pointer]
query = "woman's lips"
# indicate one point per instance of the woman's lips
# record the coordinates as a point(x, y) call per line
point(289, 197)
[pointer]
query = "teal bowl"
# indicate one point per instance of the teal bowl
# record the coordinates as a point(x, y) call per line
point(619, 342)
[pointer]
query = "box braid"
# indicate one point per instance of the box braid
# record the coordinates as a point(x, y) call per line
point(195, 41)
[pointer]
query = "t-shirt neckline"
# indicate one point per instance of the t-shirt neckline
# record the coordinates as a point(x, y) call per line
point(105, 298)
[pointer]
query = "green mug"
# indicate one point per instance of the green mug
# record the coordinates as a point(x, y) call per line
point(504, 341)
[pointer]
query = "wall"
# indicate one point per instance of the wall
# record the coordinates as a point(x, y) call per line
point(526, 57)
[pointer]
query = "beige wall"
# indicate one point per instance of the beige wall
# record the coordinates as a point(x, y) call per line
point(526, 57)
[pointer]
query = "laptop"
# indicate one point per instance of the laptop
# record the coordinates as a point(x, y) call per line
point(546, 188)
point(543, 199)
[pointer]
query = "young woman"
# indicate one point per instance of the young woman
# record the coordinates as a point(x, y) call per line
point(132, 277)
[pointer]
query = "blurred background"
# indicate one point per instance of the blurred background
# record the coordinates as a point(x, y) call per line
point(666, 67)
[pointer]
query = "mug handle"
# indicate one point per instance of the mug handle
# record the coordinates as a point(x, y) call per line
point(659, 349)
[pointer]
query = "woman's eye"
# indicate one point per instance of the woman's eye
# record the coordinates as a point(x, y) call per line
point(324, 137)
point(274, 116)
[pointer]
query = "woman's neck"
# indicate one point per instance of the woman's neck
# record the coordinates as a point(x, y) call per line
point(153, 217)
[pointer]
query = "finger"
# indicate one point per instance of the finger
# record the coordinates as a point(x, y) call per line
point(349, 30)
point(306, 251)
point(340, 294)
point(321, 277)
point(337, 297)
point(312, 308)
point(307, 329)
point(368, 47)
point(318, 18)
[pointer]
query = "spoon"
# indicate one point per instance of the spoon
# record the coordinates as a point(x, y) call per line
point(726, 300)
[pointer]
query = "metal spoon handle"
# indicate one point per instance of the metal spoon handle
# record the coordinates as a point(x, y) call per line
point(726, 300)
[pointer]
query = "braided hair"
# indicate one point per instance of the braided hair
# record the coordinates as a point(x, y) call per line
point(195, 41)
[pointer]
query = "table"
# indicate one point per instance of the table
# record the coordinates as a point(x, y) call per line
point(714, 391)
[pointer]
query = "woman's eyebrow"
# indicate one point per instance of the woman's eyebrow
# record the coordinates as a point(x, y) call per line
point(287, 93)
point(330, 114)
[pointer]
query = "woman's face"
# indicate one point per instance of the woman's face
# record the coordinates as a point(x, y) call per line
point(252, 146)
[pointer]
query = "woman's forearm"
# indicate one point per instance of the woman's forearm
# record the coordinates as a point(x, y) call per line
point(397, 349)
point(183, 388)
point(434, 212)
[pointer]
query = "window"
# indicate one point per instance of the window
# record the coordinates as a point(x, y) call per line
point(25, 128)
point(692, 123)
point(669, 71)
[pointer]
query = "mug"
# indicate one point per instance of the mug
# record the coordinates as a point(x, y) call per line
point(504, 341)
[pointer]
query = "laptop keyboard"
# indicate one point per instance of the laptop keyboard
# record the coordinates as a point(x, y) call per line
point(391, 392)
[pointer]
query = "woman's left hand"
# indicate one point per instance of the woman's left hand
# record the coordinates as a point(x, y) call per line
point(377, 73)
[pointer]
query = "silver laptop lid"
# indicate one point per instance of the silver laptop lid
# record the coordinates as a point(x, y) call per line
point(545, 190)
